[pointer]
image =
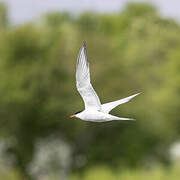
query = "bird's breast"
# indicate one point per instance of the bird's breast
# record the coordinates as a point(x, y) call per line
point(94, 116)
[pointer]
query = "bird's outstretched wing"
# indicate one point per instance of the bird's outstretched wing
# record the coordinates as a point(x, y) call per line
point(106, 108)
point(83, 83)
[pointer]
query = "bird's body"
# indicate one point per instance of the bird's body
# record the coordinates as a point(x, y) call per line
point(98, 116)
point(92, 115)
point(94, 110)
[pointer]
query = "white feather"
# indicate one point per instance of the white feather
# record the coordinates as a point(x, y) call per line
point(83, 84)
point(107, 107)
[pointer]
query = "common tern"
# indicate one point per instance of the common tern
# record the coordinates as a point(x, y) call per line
point(94, 110)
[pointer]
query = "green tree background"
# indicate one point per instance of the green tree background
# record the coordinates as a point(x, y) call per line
point(135, 50)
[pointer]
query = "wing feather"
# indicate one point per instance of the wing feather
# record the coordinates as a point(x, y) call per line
point(107, 107)
point(83, 84)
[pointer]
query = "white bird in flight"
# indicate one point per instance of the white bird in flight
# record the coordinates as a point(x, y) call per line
point(94, 110)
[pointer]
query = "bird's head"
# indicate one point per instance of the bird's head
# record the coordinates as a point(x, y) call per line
point(75, 114)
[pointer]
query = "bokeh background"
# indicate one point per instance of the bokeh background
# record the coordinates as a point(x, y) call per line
point(132, 47)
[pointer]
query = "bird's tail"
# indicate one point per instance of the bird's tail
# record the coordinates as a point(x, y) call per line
point(111, 118)
point(124, 119)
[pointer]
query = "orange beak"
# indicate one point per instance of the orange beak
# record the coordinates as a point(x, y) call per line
point(72, 116)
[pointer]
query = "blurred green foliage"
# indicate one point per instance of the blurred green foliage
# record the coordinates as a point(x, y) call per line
point(135, 50)
point(3, 16)
point(158, 173)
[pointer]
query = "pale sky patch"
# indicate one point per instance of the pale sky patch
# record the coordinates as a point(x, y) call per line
point(21, 11)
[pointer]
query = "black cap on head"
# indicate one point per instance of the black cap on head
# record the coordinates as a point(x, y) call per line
point(77, 112)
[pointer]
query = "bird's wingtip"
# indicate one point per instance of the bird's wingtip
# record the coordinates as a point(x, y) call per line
point(84, 44)
point(138, 93)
